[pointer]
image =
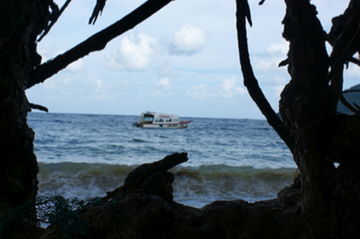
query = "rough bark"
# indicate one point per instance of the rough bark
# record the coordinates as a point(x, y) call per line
point(308, 103)
point(21, 22)
point(309, 112)
point(306, 97)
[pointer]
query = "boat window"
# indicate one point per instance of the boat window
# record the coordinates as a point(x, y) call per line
point(148, 118)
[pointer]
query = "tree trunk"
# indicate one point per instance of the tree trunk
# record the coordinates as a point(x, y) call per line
point(316, 135)
point(310, 115)
point(21, 22)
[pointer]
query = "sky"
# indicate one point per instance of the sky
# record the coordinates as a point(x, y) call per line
point(182, 60)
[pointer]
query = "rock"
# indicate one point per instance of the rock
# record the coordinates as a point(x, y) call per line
point(144, 208)
point(152, 178)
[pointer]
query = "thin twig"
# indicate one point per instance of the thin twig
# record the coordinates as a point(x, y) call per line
point(346, 103)
point(56, 17)
point(355, 61)
point(99, 7)
point(350, 91)
point(38, 107)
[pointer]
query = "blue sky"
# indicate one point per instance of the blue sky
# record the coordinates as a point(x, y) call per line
point(182, 60)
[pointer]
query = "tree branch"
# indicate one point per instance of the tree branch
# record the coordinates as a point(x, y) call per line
point(55, 16)
point(347, 104)
point(250, 81)
point(99, 7)
point(38, 107)
point(345, 39)
point(261, 2)
point(345, 34)
point(355, 61)
point(351, 91)
point(96, 42)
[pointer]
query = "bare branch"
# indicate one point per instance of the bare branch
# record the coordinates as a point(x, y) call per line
point(348, 105)
point(56, 16)
point(345, 33)
point(99, 7)
point(357, 108)
point(355, 61)
point(284, 62)
point(250, 81)
point(38, 107)
point(244, 10)
point(345, 39)
point(96, 42)
point(352, 107)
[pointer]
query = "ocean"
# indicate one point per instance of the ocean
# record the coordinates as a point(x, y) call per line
point(84, 156)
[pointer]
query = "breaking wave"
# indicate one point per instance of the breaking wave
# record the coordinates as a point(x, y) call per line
point(205, 183)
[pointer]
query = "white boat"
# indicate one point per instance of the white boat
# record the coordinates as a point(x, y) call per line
point(155, 120)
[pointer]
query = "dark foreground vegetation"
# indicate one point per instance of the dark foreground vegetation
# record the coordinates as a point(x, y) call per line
point(323, 201)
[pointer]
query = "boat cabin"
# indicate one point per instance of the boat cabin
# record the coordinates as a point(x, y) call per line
point(160, 120)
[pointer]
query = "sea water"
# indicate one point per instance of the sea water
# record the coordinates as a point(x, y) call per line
point(84, 156)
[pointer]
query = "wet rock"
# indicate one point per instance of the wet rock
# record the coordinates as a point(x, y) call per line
point(144, 208)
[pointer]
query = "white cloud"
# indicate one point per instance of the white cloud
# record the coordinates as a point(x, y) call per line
point(274, 54)
point(278, 48)
point(164, 83)
point(267, 63)
point(199, 92)
point(275, 80)
point(229, 88)
point(188, 40)
point(98, 88)
point(98, 84)
point(133, 53)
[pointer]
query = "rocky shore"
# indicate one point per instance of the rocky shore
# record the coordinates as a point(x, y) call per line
point(144, 208)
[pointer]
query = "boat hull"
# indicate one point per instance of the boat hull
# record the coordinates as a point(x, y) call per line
point(153, 120)
point(174, 125)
